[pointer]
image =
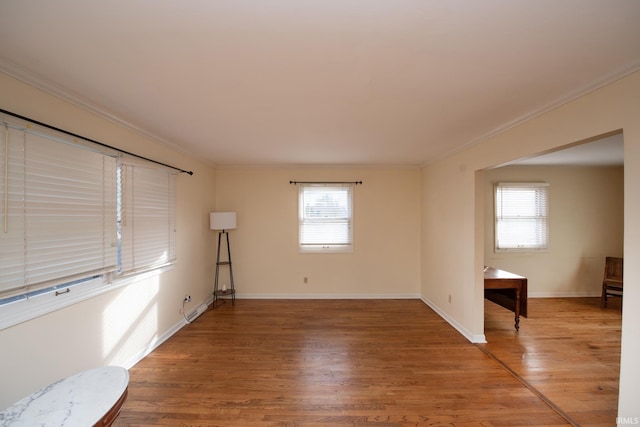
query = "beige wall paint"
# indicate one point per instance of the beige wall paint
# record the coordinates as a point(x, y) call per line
point(586, 222)
point(119, 326)
point(447, 230)
point(452, 205)
point(266, 262)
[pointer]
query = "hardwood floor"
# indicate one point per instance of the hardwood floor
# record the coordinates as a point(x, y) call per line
point(329, 363)
point(568, 349)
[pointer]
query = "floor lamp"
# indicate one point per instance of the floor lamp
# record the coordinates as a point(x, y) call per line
point(223, 221)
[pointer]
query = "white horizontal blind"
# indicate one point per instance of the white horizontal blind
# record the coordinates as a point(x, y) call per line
point(58, 212)
point(522, 216)
point(326, 216)
point(147, 223)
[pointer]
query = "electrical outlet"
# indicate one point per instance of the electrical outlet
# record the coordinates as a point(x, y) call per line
point(187, 298)
point(305, 280)
point(449, 298)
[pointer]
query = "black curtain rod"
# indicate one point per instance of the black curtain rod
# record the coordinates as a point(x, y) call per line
point(93, 141)
point(325, 182)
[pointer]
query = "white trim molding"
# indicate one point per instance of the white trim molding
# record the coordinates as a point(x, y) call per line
point(327, 296)
point(473, 338)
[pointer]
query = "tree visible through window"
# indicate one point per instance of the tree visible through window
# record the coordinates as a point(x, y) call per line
point(521, 215)
point(325, 217)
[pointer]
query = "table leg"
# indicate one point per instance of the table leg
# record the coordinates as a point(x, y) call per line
point(517, 310)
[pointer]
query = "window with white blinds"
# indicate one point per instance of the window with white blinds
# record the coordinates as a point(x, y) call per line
point(325, 214)
point(58, 213)
point(75, 216)
point(521, 216)
point(146, 217)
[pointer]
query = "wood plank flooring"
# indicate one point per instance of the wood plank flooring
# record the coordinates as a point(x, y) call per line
point(568, 349)
point(326, 363)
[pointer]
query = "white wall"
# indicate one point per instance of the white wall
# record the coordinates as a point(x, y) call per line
point(453, 211)
point(118, 327)
point(586, 221)
point(266, 262)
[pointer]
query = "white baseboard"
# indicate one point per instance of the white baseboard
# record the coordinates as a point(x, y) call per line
point(162, 338)
point(571, 294)
point(474, 338)
point(175, 328)
point(481, 338)
point(327, 296)
point(153, 345)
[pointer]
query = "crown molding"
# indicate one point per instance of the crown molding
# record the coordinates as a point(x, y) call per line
point(591, 87)
point(73, 98)
point(77, 100)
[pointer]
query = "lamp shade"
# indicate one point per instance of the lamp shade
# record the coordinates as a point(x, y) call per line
point(222, 220)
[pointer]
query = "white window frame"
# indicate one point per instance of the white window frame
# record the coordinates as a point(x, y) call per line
point(523, 228)
point(336, 221)
point(55, 293)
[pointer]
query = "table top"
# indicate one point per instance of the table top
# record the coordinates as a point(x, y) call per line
point(79, 400)
point(494, 273)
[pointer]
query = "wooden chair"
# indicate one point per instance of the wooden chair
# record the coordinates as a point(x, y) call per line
point(612, 282)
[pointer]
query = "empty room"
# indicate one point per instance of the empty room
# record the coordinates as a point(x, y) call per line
point(280, 213)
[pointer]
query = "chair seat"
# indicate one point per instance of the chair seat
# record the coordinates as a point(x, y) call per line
point(612, 283)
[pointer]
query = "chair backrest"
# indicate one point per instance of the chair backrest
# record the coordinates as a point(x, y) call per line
point(613, 268)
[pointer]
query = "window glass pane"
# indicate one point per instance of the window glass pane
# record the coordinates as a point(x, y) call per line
point(325, 216)
point(521, 216)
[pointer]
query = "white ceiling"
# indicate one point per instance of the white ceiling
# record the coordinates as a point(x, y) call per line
point(606, 151)
point(306, 82)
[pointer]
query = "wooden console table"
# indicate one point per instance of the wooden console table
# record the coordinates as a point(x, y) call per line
point(90, 398)
point(507, 290)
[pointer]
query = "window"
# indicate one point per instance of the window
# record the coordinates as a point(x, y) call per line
point(59, 212)
point(146, 217)
point(521, 215)
point(74, 217)
point(325, 215)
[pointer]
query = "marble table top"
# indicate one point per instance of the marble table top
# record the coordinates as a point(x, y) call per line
point(79, 400)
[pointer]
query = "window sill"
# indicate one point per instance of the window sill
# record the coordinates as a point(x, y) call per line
point(326, 250)
point(521, 250)
point(20, 311)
